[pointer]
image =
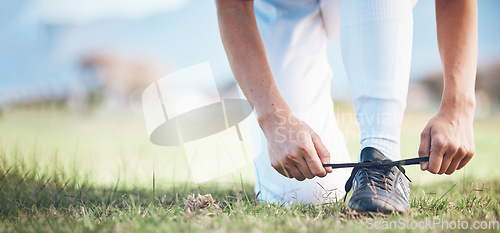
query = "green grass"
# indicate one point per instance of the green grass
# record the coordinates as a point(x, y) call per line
point(64, 172)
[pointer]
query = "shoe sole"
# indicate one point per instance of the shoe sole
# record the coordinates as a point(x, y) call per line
point(374, 204)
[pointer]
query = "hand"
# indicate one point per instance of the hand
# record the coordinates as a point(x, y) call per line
point(449, 141)
point(295, 150)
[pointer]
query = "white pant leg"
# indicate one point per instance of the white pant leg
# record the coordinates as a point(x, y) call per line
point(295, 40)
point(376, 39)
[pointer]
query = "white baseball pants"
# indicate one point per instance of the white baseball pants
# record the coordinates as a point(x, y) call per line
point(376, 39)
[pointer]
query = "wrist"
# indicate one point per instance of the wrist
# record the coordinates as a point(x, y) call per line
point(274, 115)
point(458, 104)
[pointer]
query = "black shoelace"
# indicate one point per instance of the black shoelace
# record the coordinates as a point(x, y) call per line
point(376, 170)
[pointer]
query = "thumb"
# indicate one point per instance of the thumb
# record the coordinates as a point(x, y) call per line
point(323, 153)
point(424, 149)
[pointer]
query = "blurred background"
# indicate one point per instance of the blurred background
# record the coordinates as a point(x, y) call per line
point(72, 74)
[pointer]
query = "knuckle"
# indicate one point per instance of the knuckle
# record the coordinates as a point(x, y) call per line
point(301, 149)
point(278, 166)
point(453, 148)
point(320, 173)
point(461, 150)
point(423, 152)
point(439, 142)
point(292, 159)
point(287, 164)
point(289, 154)
point(316, 172)
point(433, 170)
point(472, 152)
point(325, 154)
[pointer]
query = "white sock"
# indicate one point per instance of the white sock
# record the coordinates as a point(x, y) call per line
point(376, 39)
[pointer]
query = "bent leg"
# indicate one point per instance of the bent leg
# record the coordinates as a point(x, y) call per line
point(376, 40)
point(295, 40)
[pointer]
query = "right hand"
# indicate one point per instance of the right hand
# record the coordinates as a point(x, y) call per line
point(295, 150)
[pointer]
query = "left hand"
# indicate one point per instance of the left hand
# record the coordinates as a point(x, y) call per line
point(448, 139)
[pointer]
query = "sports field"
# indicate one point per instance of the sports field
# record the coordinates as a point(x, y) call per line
point(63, 171)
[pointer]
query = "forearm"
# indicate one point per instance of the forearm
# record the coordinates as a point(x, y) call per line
point(457, 40)
point(247, 56)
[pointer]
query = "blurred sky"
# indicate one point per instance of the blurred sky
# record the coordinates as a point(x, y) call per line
point(41, 41)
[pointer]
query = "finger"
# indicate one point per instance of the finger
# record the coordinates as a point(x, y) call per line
point(424, 148)
point(438, 147)
point(323, 154)
point(282, 170)
point(313, 161)
point(304, 168)
point(445, 163)
point(459, 155)
point(464, 161)
point(301, 162)
point(277, 164)
point(314, 165)
point(287, 173)
point(296, 173)
point(453, 166)
point(450, 154)
point(447, 158)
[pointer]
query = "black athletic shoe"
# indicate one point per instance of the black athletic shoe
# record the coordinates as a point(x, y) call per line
point(378, 189)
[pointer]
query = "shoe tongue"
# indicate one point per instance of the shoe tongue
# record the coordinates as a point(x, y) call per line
point(371, 154)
